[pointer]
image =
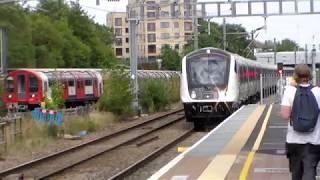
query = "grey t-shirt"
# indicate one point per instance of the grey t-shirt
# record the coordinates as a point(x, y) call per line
point(292, 135)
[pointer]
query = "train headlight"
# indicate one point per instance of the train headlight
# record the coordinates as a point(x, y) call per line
point(193, 94)
point(33, 95)
point(9, 96)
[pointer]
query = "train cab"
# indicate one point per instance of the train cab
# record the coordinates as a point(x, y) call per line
point(24, 88)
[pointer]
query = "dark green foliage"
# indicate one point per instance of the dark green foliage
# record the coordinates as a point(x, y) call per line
point(171, 59)
point(284, 45)
point(56, 36)
point(174, 89)
point(18, 24)
point(235, 43)
point(154, 95)
point(117, 96)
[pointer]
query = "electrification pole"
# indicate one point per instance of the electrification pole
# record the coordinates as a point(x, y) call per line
point(275, 50)
point(195, 24)
point(306, 54)
point(209, 27)
point(295, 55)
point(133, 22)
point(3, 51)
point(224, 34)
point(313, 55)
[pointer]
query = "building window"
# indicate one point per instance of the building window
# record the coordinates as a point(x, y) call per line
point(176, 35)
point(127, 30)
point(127, 50)
point(151, 27)
point(187, 26)
point(118, 41)
point(118, 22)
point(118, 31)
point(152, 49)
point(127, 40)
point(151, 14)
point(151, 5)
point(164, 24)
point(165, 35)
point(176, 46)
point(151, 37)
point(164, 1)
point(118, 51)
point(188, 36)
point(176, 24)
point(164, 13)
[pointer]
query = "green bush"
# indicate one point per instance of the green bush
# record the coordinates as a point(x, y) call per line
point(117, 95)
point(154, 95)
point(56, 101)
point(174, 89)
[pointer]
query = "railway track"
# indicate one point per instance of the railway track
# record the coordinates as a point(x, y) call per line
point(142, 162)
point(50, 165)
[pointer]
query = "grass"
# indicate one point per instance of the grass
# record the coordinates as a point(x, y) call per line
point(37, 135)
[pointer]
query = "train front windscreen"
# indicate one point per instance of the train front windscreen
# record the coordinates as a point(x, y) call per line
point(208, 71)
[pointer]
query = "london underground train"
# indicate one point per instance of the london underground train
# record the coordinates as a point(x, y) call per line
point(214, 83)
point(27, 88)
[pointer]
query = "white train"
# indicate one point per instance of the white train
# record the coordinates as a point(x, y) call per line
point(214, 83)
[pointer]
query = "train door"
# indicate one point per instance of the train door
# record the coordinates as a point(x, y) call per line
point(88, 88)
point(96, 88)
point(21, 86)
point(71, 88)
point(247, 81)
point(80, 89)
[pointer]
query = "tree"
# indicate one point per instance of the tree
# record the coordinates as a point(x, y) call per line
point(170, 59)
point(287, 45)
point(18, 23)
point(48, 42)
point(235, 43)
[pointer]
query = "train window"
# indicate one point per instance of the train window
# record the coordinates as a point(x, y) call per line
point(235, 67)
point(9, 84)
point(88, 82)
point(70, 83)
point(242, 74)
point(33, 84)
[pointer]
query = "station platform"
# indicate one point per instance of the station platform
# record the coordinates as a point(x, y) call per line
point(250, 144)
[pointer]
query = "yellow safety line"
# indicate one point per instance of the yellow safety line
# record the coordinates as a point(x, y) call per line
point(248, 162)
point(222, 162)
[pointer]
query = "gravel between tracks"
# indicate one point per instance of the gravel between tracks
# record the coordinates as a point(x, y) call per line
point(13, 159)
point(163, 159)
point(109, 164)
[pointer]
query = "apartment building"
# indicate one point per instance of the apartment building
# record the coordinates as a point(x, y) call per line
point(118, 21)
point(161, 23)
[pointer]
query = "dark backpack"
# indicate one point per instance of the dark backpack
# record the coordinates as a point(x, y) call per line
point(305, 110)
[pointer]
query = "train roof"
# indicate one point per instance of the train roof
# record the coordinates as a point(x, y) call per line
point(242, 59)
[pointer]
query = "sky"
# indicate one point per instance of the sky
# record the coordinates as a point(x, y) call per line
point(304, 29)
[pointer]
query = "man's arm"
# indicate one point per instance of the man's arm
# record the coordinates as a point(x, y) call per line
point(285, 109)
point(285, 112)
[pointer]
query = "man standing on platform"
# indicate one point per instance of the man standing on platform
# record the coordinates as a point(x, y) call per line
point(300, 107)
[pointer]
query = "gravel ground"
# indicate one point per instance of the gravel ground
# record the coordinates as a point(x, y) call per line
point(162, 160)
point(111, 163)
point(9, 159)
